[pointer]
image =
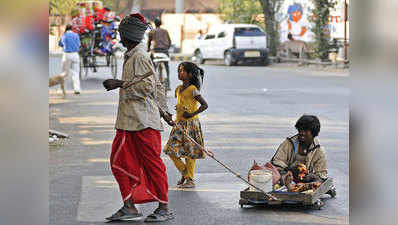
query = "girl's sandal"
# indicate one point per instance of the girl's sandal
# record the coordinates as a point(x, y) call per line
point(181, 181)
point(189, 184)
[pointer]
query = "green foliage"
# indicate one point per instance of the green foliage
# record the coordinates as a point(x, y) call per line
point(246, 11)
point(62, 7)
point(110, 3)
point(239, 11)
point(65, 7)
point(321, 11)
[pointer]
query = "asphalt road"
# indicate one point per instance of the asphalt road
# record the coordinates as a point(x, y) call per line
point(252, 109)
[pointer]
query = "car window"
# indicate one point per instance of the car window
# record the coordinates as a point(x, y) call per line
point(210, 36)
point(222, 34)
point(248, 31)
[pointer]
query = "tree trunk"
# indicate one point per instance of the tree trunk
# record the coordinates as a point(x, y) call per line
point(117, 6)
point(128, 8)
point(269, 21)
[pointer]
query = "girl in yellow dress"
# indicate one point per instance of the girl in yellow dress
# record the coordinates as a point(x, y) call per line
point(178, 147)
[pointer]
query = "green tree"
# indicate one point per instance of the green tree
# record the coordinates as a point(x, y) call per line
point(321, 12)
point(270, 9)
point(62, 7)
point(65, 7)
point(239, 11)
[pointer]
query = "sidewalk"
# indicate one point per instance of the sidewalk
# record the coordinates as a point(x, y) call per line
point(334, 70)
point(173, 56)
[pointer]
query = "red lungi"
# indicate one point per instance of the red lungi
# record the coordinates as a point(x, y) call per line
point(137, 166)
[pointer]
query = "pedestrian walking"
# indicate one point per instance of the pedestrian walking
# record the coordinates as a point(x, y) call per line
point(135, 159)
point(178, 146)
point(162, 44)
point(70, 42)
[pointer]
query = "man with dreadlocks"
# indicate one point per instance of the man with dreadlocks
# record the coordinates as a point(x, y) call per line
point(135, 158)
point(302, 149)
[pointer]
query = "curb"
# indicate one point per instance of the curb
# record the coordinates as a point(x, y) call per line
point(344, 64)
point(181, 57)
point(172, 57)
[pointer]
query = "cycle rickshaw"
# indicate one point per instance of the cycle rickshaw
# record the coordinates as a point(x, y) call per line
point(92, 58)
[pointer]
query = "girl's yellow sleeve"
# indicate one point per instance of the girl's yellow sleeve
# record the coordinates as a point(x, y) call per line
point(195, 91)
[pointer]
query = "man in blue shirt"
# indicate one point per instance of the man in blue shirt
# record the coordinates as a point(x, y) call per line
point(70, 42)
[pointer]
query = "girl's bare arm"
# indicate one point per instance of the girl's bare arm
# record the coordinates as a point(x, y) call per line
point(203, 105)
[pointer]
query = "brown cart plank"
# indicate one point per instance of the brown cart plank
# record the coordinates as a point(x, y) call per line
point(306, 199)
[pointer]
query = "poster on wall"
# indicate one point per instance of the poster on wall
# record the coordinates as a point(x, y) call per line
point(295, 17)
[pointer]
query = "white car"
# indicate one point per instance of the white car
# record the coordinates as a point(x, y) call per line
point(234, 43)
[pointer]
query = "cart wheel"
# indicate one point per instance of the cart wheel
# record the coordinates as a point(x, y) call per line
point(94, 63)
point(242, 202)
point(83, 72)
point(332, 192)
point(81, 67)
point(114, 66)
point(108, 60)
point(318, 204)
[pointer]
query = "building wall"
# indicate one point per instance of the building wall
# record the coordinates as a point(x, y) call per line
point(190, 5)
point(183, 28)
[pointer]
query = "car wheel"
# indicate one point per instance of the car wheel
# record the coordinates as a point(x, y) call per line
point(266, 61)
point(199, 57)
point(228, 59)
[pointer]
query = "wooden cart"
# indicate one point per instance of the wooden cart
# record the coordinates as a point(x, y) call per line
point(258, 198)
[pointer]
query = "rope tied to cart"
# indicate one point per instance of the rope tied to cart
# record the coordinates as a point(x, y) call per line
point(211, 155)
point(207, 152)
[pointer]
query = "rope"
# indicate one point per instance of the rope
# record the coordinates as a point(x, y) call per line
point(211, 155)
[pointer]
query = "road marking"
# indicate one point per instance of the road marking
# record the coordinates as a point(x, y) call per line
point(101, 160)
point(86, 120)
point(106, 160)
point(84, 131)
point(99, 103)
point(100, 197)
point(196, 189)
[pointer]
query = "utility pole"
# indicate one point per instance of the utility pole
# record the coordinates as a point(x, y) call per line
point(345, 28)
point(179, 6)
point(136, 7)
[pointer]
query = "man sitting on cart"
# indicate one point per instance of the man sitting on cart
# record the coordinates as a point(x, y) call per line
point(302, 148)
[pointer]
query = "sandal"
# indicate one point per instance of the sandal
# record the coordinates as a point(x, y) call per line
point(160, 215)
point(124, 214)
point(181, 181)
point(189, 184)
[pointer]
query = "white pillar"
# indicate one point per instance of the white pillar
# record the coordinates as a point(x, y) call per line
point(179, 6)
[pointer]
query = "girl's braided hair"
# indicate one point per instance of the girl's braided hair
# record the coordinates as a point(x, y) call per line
point(196, 72)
